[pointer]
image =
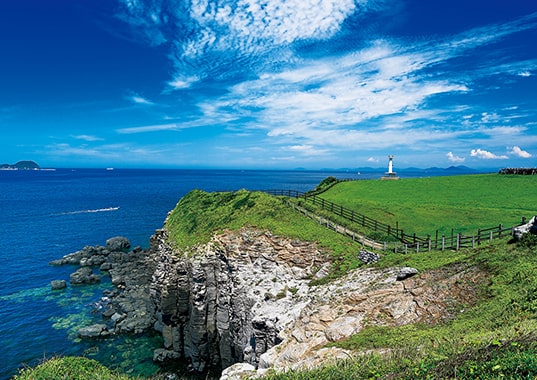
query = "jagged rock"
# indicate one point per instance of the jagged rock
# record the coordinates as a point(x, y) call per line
point(405, 273)
point(87, 256)
point(93, 331)
point(58, 284)
point(161, 355)
point(323, 272)
point(118, 243)
point(368, 257)
point(84, 275)
point(239, 371)
point(530, 227)
point(228, 301)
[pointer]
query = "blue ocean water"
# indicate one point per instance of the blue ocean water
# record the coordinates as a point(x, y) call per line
point(45, 215)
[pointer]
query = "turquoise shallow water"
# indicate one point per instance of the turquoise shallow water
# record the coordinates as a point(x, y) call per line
point(45, 215)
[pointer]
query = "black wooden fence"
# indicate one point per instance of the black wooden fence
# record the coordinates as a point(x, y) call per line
point(410, 241)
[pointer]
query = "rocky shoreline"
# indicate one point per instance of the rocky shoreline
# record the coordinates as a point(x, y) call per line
point(126, 308)
point(243, 302)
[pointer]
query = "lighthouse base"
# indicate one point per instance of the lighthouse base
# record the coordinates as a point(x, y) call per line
point(389, 176)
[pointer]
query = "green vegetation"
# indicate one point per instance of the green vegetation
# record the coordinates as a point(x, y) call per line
point(61, 368)
point(492, 339)
point(200, 214)
point(424, 205)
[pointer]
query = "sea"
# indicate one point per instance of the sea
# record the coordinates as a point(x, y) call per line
point(46, 214)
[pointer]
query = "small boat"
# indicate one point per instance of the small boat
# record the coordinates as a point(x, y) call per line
point(109, 169)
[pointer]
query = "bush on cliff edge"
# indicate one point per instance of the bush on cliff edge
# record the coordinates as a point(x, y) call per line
point(60, 368)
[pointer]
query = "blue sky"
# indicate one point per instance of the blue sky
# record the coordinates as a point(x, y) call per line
point(268, 84)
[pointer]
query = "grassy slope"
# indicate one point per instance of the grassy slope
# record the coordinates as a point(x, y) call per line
point(423, 205)
point(69, 368)
point(200, 214)
point(491, 340)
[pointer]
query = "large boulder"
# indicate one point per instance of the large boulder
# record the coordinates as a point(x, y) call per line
point(118, 243)
point(84, 275)
point(93, 331)
point(530, 227)
point(58, 284)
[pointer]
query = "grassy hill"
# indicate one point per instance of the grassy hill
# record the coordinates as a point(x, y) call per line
point(495, 338)
point(424, 205)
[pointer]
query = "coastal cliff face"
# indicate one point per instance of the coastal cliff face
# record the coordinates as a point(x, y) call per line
point(227, 301)
point(244, 298)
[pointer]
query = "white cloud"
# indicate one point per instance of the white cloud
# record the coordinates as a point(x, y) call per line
point(520, 153)
point(88, 138)
point(453, 158)
point(149, 128)
point(486, 155)
point(182, 82)
point(372, 159)
point(525, 74)
point(307, 150)
point(137, 99)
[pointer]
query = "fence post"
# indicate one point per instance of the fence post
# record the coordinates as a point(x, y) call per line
point(406, 248)
point(473, 241)
point(500, 227)
point(443, 242)
point(479, 236)
point(385, 247)
point(490, 235)
point(436, 240)
point(458, 241)
point(418, 247)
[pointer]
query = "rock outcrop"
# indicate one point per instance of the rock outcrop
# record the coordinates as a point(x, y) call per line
point(127, 308)
point(227, 301)
point(530, 227)
point(244, 301)
point(245, 298)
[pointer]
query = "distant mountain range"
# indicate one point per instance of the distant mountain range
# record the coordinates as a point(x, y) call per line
point(461, 169)
point(21, 165)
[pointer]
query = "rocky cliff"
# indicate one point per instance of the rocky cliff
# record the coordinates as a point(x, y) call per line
point(245, 298)
point(227, 301)
point(244, 301)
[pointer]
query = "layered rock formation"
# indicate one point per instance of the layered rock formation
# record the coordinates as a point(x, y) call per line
point(227, 301)
point(245, 298)
point(243, 302)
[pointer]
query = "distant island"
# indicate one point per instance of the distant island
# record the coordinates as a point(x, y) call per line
point(21, 165)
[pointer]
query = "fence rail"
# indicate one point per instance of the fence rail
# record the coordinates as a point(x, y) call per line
point(409, 242)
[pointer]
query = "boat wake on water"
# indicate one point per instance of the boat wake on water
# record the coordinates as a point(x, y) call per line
point(107, 209)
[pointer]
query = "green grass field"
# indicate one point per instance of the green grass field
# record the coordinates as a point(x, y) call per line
point(423, 205)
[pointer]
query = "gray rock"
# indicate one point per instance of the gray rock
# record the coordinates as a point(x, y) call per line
point(84, 275)
point(58, 284)
point(160, 355)
point(105, 266)
point(93, 331)
point(118, 243)
point(368, 257)
point(405, 273)
point(530, 227)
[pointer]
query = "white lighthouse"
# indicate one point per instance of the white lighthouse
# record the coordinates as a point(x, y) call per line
point(390, 174)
